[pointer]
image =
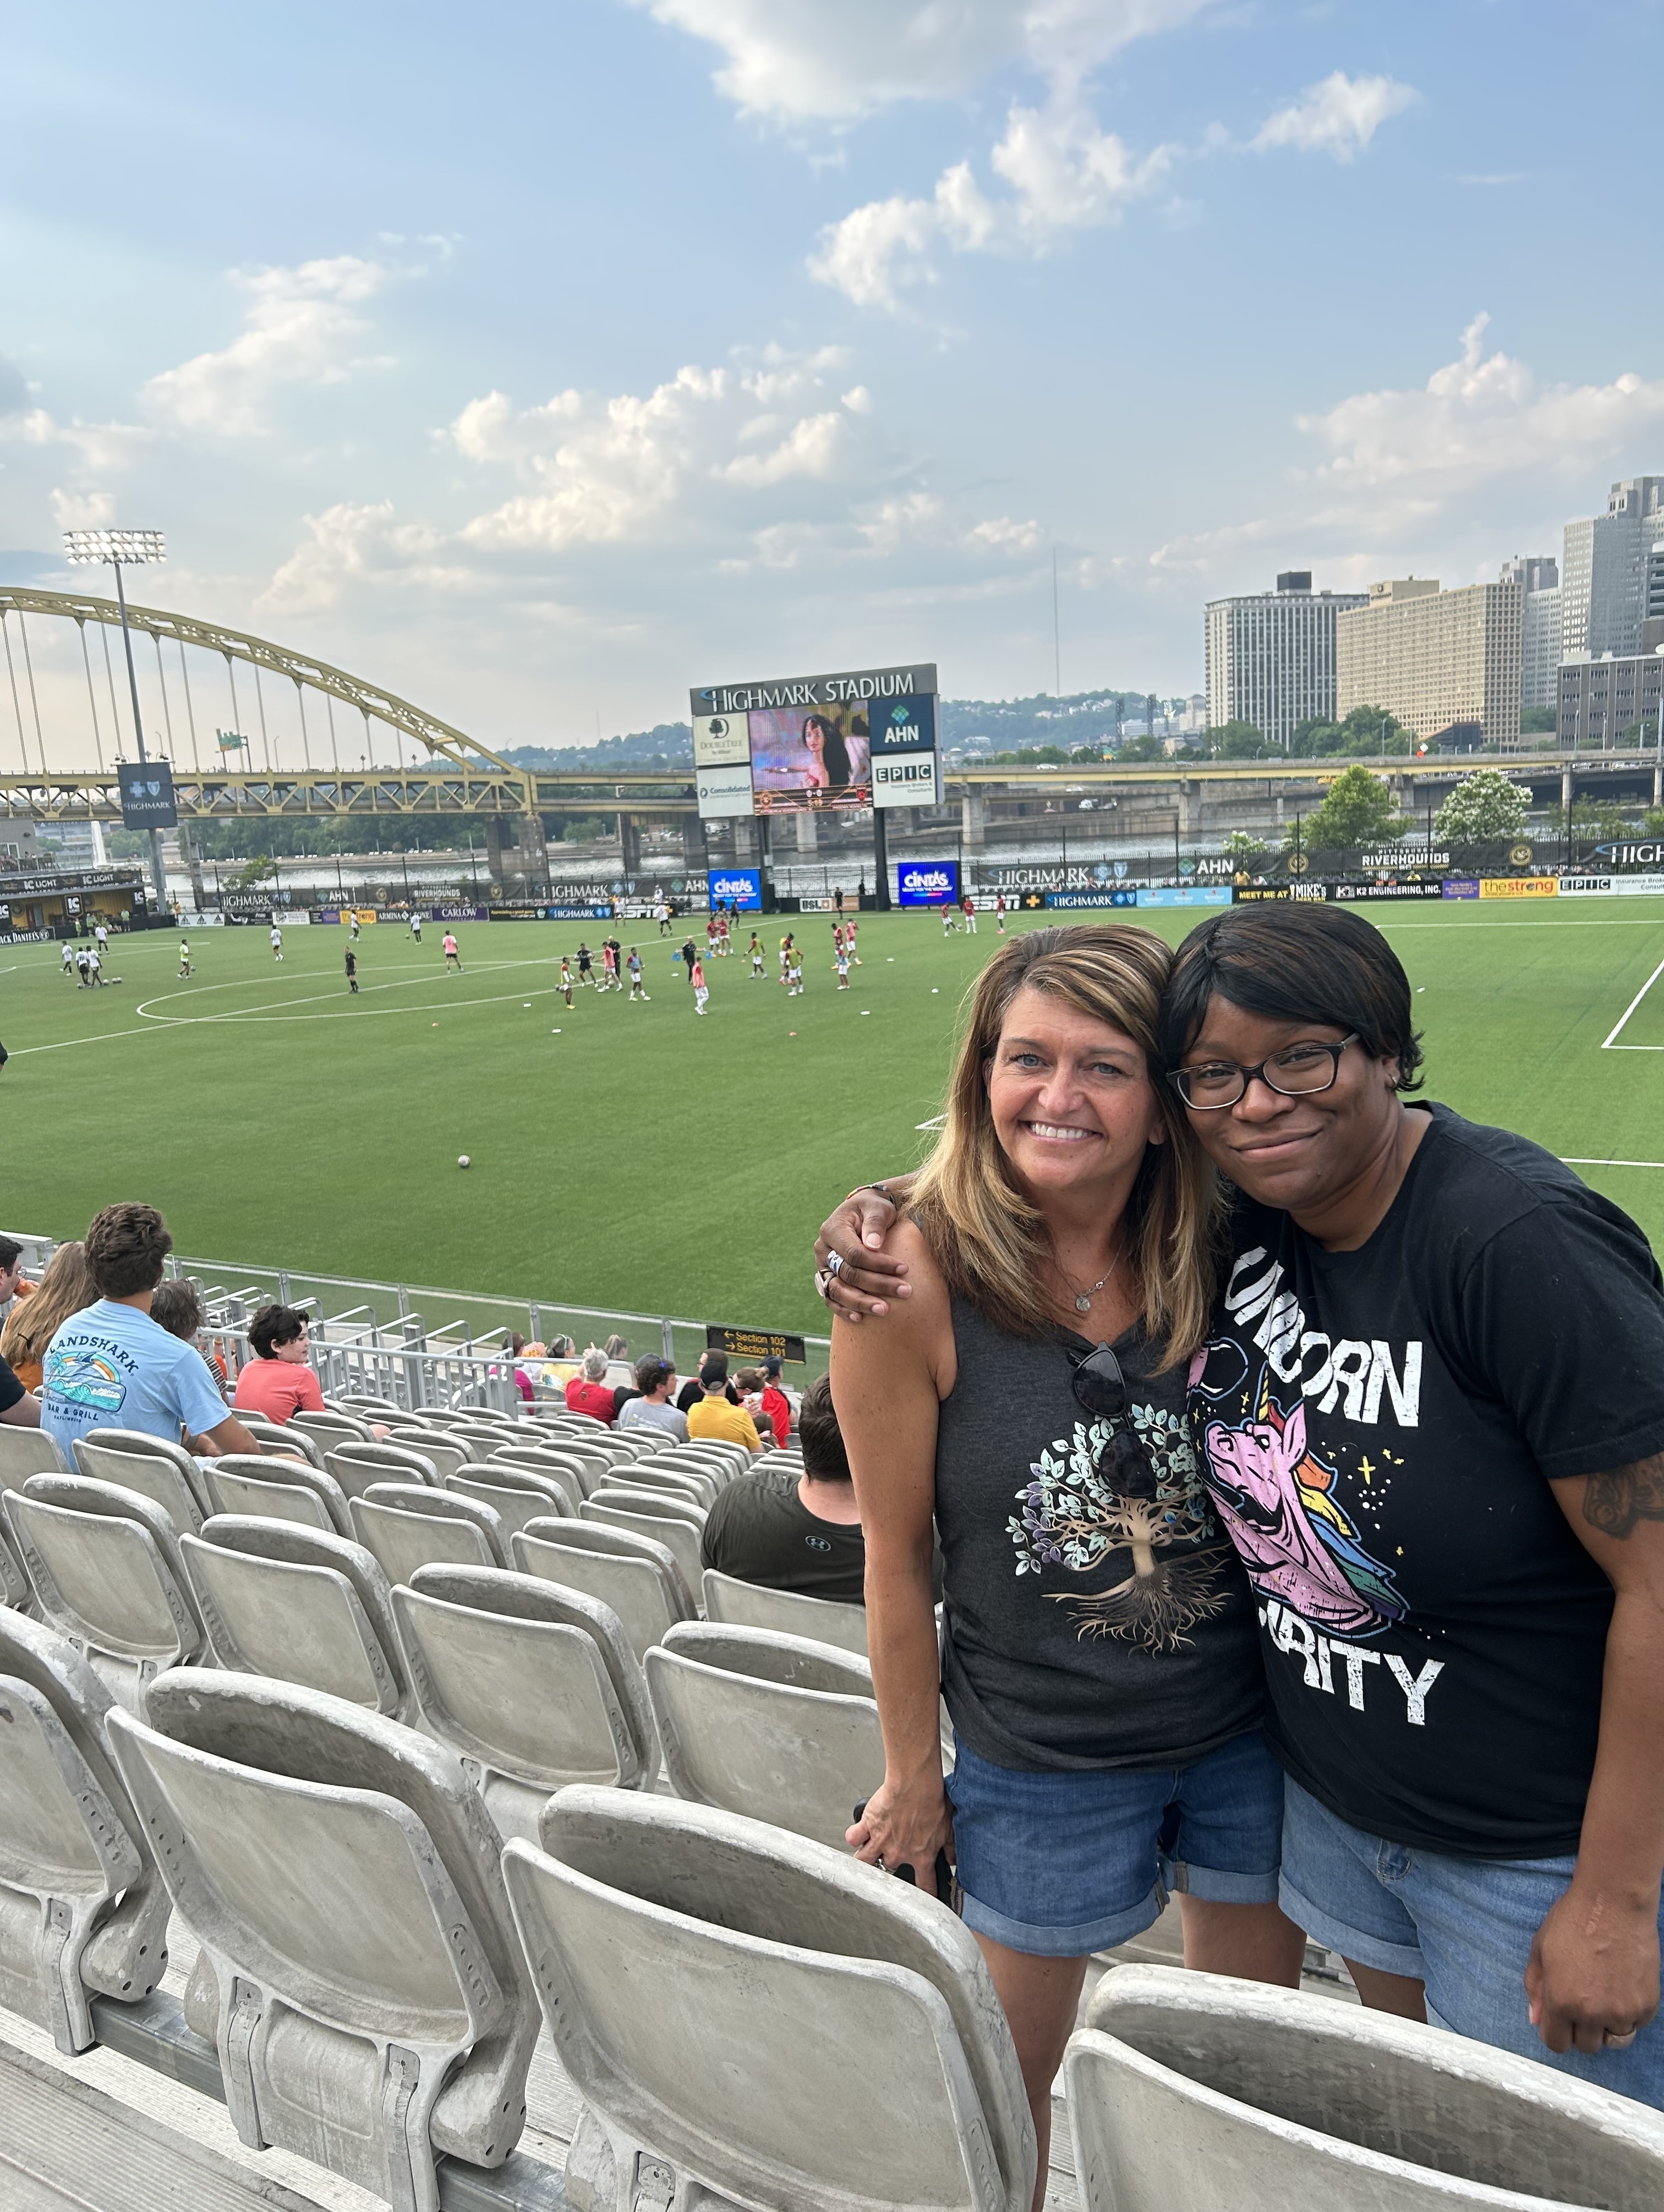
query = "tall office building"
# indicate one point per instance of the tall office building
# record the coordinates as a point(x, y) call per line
point(1652, 612)
point(1271, 656)
point(1446, 663)
point(1539, 579)
point(1604, 702)
point(1603, 575)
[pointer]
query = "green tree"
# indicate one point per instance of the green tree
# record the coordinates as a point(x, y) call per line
point(256, 871)
point(1357, 810)
point(1312, 738)
point(1141, 749)
point(1237, 741)
point(1599, 819)
point(1537, 722)
point(1483, 805)
point(1653, 822)
point(1245, 853)
point(1368, 730)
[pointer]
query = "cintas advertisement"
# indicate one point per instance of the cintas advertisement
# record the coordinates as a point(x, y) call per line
point(927, 883)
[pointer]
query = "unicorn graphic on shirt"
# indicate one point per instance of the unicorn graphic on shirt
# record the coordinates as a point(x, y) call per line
point(1277, 1502)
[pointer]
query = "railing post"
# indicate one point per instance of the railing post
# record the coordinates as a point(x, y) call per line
point(669, 1337)
point(534, 1315)
point(282, 1286)
point(403, 1303)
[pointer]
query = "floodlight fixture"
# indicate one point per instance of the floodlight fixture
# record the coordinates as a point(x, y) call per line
point(119, 548)
point(135, 547)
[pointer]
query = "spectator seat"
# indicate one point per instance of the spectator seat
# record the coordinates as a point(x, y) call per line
point(280, 1438)
point(356, 1467)
point(792, 1612)
point(408, 1526)
point(668, 1521)
point(447, 1451)
point(299, 1493)
point(331, 1428)
point(638, 1577)
point(24, 1452)
point(163, 1472)
point(515, 1495)
point(565, 1470)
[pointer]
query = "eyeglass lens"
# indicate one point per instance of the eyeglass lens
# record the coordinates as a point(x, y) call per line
point(1302, 1067)
point(1100, 1385)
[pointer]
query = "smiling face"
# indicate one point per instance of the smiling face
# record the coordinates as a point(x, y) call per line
point(1295, 1153)
point(1071, 1096)
point(295, 1351)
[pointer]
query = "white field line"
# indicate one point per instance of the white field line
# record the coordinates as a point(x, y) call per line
point(935, 1122)
point(1572, 1161)
point(1612, 1043)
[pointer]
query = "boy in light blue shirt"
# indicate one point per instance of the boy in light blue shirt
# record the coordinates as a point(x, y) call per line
point(111, 1366)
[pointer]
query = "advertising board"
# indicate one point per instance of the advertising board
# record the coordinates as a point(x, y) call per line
point(1186, 895)
point(743, 886)
point(1460, 887)
point(147, 795)
point(1128, 896)
point(808, 743)
point(927, 883)
point(1355, 892)
point(1518, 887)
point(907, 779)
point(722, 791)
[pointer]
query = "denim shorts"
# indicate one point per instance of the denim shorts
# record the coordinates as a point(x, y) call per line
point(1058, 1864)
point(1462, 1927)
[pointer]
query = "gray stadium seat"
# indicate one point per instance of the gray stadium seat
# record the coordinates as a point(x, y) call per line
point(640, 1579)
point(331, 1429)
point(298, 1605)
point(690, 1484)
point(564, 1469)
point(370, 2008)
point(164, 1473)
point(645, 1513)
point(446, 1452)
point(515, 1495)
point(589, 1468)
point(1197, 2090)
point(14, 1581)
point(281, 1438)
point(749, 1605)
point(361, 1408)
point(104, 1566)
point(299, 1493)
point(483, 1437)
point(24, 1452)
point(535, 1684)
point(770, 1726)
point(659, 1930)
point(407, 1526)
point(82, 1910)
point(356, 1467)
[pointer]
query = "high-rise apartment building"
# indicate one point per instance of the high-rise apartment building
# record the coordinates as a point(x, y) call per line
point(1539, 579)
point(1446, 663)
point(1652, 612)
point(1603, 575)
point(1604, 702)
point(1271, 656)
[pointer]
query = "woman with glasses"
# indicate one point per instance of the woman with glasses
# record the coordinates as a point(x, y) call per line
point(1099, 1651)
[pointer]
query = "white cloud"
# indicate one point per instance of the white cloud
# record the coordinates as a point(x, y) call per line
point(99, 448)
point(833, 60)
point(1066, 175)
point(299, 328)
point(349, 545)
point(1000, 534)
point(1338, 117)
point(877, 250)
point(83, 510)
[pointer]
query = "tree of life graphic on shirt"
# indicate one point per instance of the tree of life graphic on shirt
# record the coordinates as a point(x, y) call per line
point(1073, 1515)
point(1278, 1501)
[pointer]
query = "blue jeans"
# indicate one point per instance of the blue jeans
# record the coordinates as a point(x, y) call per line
point(1463, 1927)
point(1059, 1863)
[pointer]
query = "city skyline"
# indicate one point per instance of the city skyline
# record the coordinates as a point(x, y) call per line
point(716, 334)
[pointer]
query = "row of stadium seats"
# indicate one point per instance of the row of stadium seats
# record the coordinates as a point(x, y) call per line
point(406, 1800)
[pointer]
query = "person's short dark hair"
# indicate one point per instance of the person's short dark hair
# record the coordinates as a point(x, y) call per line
point(1295, 963)
point(652, 1373)
point(275, 1325)
point(126, 1247)
point(11, 1254)
point(713, 1370)
point(178, 1307)
point(771, 1369)
point(825, 1459)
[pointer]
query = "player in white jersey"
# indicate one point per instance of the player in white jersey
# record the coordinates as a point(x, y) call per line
point(416, 927)
point(842, 964)
point(634, 964)
point(276, 942)
point(795, 974)
point(68, 968)
point(184, 967)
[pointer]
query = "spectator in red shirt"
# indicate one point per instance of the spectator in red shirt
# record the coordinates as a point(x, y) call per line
point(278, 1381)
point(776, 1407)
point(587, 1393)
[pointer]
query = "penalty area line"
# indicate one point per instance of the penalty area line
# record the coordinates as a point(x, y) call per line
point(1612, 1043)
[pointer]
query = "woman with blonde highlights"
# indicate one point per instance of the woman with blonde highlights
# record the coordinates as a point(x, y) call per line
point(1099, 1655)
point(67, 1287)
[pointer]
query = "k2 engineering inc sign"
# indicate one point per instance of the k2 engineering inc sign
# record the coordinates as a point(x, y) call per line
point(147, 795)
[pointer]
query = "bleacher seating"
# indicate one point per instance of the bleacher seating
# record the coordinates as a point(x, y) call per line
point(370, 2006)
point(408, 1526)
point(446, 1452)
point(357, 1466)
point(793, 1613)
point(677, 1526)
point(638, 1577)
point(295, 1492)
point(864, 2062)
point(163, 1472)
point(515, 1494)
point(24, 1452)
point(1189, 2090)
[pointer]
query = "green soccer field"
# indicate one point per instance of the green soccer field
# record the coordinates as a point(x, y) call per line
point(635, 1158)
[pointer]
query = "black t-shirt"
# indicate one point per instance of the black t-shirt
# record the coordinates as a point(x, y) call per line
point(1380, 1430)
point(10, 1388)
point(760, 1531)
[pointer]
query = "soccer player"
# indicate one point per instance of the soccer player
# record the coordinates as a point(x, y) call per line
point(68, 968)
point(101, 938)
point(948, 911)
point(618, 964)
point(701, 988)
point(842, 964)
point(184, 967)
point(96, 967)
point(566, 978)
point(711, 930)
point(787, 945)
point(609, 964)
point(664, 916)
point(635, 964)
point(416, 927)
point(355, 924)
point(81, 958)
point(795, 974)
point(849, 928)
point(968, 908)
point(999, 913)
point(352, 970)
point(276, 942)
point(724, 931)
point(689, 954)
point(452, 957)
point(586, 967)
point(838, 942)
point(756, 956)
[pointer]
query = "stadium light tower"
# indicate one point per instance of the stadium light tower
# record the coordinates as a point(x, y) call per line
point(136, 548)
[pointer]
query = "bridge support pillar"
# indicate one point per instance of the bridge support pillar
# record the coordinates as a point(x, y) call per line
point(973, 817)
point(498, 849)
point(1565, 789)
point(630, 845)
point(191, 860)
point(807, 841)
point(1184, 808)
point(696, 851)
point(533, 852)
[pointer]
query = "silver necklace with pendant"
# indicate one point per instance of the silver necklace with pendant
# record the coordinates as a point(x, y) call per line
point(1083, 1299)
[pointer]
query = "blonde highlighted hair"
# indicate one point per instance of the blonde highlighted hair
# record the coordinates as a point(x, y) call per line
point(989, 1240)
point(67, 1287)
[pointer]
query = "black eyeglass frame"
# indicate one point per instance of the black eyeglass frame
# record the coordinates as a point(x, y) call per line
point(1179, 1076)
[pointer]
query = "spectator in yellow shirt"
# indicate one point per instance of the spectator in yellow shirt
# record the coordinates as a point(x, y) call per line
point(713, 1417)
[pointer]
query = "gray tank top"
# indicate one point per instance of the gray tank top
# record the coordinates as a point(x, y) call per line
point(1085, 1627)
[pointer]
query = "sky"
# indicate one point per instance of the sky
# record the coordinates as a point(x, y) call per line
point(540, 362)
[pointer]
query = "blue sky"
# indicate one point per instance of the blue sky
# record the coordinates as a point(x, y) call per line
point(539, 362)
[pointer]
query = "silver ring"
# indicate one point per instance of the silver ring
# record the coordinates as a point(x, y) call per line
point(1620, 2042)
point(834, 1264)
point(822, 1284)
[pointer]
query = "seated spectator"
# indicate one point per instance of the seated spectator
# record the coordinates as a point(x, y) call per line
point(112, 1367)
point(802, 1535)
point(178, 1306)
point(67, 1287)
point(19, 1408)
point(717, 1415)
point(690, 1392)
point(515, 1347)
point(562, 1363)
point(12, 1285)
point(656, 1379)
point(587, 1392)
point(278, 1381)
point(775, 1406)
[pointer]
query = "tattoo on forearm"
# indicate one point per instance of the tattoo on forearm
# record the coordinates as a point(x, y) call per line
point(1614, 1502)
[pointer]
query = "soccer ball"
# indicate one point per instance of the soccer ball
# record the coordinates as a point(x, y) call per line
point(462, 1160)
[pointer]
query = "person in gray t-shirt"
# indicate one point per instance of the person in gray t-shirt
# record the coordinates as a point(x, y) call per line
point(656, 1379)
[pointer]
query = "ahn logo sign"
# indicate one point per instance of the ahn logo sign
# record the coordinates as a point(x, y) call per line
point(927, 883)
point(909, 725)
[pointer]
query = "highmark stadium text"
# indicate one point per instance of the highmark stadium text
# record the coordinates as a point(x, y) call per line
point(833, 691)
